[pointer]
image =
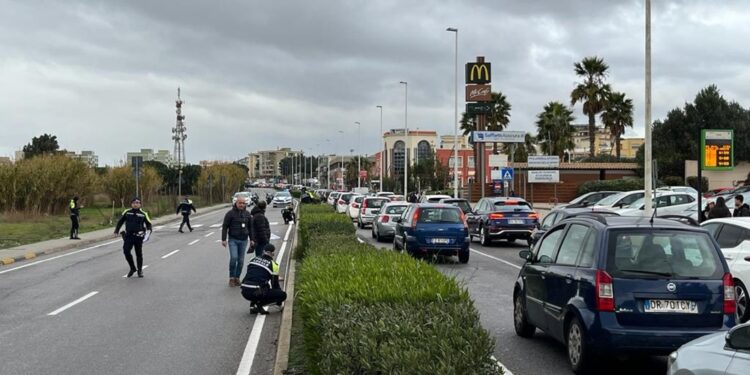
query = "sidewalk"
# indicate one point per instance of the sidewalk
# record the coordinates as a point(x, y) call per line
point(33, 250)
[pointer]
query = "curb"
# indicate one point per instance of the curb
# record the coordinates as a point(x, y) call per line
point(285, 330)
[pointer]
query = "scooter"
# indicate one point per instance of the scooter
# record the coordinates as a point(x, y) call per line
point(269, 198)
point(289, 215)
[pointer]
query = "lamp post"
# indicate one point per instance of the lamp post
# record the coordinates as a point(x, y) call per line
point(406, 134)
point(647, 165)
point(341, 167)
point(455, 117)
point(359, 155)
point(382, 156)
point(328, 166)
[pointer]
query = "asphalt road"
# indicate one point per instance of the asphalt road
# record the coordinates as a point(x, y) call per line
point(181, 318)
point(489, 277)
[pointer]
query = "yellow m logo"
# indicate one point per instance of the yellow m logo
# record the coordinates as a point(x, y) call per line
point(478, 73)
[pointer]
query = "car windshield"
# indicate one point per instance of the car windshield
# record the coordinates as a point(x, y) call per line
point(579, 199)
point(435, 199)
point(346, 197)
point(512, 206)
point(436, 215)
point(395, 210)
point(462, 204)
point(677, 254)
point(359, 199)
point(610, 200)
point(283, 194)
point(376, 203)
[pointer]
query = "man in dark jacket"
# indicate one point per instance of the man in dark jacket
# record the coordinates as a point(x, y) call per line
point(261, 228)
point(185, 207)
point(740, 207)
point(261, 283)
point(75, 213)
point(238, 224)
point(137, 223)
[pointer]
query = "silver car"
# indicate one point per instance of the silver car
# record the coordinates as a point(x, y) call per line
point(369, 210)
point(384, 226)
point(721, 353)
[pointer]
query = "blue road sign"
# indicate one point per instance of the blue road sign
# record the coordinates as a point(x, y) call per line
point(506, 173)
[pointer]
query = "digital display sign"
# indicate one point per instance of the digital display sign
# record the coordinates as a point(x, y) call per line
point(717, 149)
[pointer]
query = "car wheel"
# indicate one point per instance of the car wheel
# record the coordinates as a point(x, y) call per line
point(463, 257)
point(743, 303)
point(395, 245)
point(375, 236)
point(483, 238)
point(520, 321)
point(578, 351)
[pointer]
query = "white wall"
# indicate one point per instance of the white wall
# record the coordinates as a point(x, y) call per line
point(719, 179)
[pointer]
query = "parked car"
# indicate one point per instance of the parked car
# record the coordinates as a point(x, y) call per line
point(715, 192)
point(434, 198)
point(384, 194)
point(426, 229)
point(619, 200)
point(396, 198)
point(666, 203)
point(620, 285)
point(369, 210)
point(556, 216)
point(343, 203)
point(248, 197)
point(354, 204)
point(679, 189)
point(333, 198)
point(502, 218)
point(733, 236)
point(384, 226)
point(281, 199)
point(715, 354)
point(461, 203)
point(586, 200)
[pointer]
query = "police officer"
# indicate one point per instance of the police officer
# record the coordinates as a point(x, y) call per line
point(75, 212)
point(261, 283)
point(136, 223)
point(261, 228)
point(184, 207)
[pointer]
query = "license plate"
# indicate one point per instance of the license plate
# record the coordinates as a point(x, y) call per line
point(441, 240)
point(670, 306)
point(516, 221)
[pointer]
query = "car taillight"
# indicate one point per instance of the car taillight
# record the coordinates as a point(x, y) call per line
point(415, 218)
point(605, 297)
point(355, 205)
point(534, 216)
point(463, 219)
point(364, 204)
point(730, 303)
point(385, 219)
point(341, 201)
point(496, 216)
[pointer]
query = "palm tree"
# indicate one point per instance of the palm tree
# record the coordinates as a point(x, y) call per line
point(592, 91)
point(350, 176)
point(468, 123)
point(618, 114)
point(499, 119)
point(555, 129)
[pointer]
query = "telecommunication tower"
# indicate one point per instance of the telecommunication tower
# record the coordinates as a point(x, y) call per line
point(179, 136)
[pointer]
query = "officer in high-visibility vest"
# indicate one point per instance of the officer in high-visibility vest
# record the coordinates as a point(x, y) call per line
point(75, 212)
point(261, 283)
point(185, 207)
point(137, 224)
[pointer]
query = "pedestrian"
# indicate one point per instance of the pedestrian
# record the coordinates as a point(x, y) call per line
point(707, 210)
point(137, 223)
point(261, 283)
point(261, 228)
point(720, 210)
point(238, 225)
point(75, 213)
point(740, 207)
point(185, 207)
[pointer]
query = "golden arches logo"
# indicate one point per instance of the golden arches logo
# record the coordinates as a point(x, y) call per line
point(478, 73)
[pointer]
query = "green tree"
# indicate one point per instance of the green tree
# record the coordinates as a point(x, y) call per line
point(350, 176)
point(499, 119)
point(592, 91)
point(41, 145)
point(522, 151)
point(555, 132)
point(617, 115)
point(468, 123)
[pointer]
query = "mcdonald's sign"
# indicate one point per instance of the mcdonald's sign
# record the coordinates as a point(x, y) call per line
point(478, 73)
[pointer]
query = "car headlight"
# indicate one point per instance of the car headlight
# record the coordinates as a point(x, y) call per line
point(672, 358)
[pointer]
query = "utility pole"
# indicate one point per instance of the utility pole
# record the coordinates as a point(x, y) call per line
point(382, 155)
point(455, 118)
point(179, 136)
point(406, 136)
point(647, 165)
point(359, 155)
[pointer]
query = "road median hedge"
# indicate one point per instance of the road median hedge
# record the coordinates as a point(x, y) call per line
point(370, 311)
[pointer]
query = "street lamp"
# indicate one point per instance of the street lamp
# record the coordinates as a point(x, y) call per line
point(328, 166)
point(382, 156)
point(455, 118)
point(341, 168)
point(647, 165)
point(406, 134)
point(359, 155)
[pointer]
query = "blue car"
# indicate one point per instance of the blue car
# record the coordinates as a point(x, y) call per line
point(426, 229)
point(617, 285)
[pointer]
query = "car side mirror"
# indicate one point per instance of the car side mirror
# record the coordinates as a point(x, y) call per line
point(399, 220)
point(738, 338)
point(525, 255)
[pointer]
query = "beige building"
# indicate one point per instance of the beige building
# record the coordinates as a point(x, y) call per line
point(629, 147)
point(162, 156)
point(602, 141)
point(267, 164)
point(418, 145)
point(88, 157)
point(5, 160)
point(720, 179)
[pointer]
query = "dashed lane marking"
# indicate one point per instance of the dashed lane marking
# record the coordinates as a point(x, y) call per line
point(126, 275)
point(497, 259)
point(57, 257)
point(194, 242)
point(215, 225)
point(73, 303)
point(208, 235)
point(170, 254)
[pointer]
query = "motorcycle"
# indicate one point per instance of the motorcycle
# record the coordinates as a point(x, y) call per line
point(289, 215)
point(269, 198)
point(255, 199)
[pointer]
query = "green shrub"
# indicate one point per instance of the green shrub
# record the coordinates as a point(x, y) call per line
point(296, 194)
point(673, 181)
point(693, 181)
point(612, 185)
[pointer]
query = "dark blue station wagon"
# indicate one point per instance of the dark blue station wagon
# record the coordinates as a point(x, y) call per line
point(426, 229)
point(617, 285)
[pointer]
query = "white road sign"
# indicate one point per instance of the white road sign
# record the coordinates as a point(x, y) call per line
point(544, 161)
point(536, 177)
point(498, 160)
point(499, 137)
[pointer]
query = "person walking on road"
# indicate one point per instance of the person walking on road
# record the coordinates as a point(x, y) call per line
point(238, 225)
point(137, 225)
point(185, 207)
point(740, 207)
point(261, 283)
point(261, 228)
point(75, 213)
point(720, 210)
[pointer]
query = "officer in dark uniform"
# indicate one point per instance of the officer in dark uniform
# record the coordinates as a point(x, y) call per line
point(136, 223)
point(261, 283)
point(185, 207)
point(75, 212)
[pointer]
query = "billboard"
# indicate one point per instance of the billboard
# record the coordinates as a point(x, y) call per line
point(544, 161)
point(717, 149)
point(537, 177)
point(478, 93)
point(498, 137)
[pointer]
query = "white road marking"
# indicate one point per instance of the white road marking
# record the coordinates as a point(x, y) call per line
point(126, 275)
point(197, 225)
point(505, 368)
point(159, 227)
point(73, 303)
point(274, 236)
point(497, 259)
point(273, 223)
point(172, 253)
point(209, 234)
point(59, 256)
point(246, 364)
point(218, 240)
point(215, 225)
point(360, 240)
point(194, 242)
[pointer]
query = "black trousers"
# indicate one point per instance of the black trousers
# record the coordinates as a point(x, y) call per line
point(131, 242)
point(185, 220)
point(262, 297)
point(73, 226)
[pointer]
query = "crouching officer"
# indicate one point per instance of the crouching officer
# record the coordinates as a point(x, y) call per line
point(137, 223)
point(185, 207)
point(261, 283)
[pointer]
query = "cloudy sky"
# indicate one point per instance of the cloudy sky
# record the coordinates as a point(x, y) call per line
point(102, 75)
